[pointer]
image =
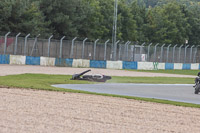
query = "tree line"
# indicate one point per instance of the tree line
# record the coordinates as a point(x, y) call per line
point(156, 21)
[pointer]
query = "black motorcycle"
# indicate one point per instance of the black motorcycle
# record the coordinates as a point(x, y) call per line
point(95, 77)
point(197, 86)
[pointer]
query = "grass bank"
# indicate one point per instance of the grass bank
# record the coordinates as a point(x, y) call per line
point(181, 72)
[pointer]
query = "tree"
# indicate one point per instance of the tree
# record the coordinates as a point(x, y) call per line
point(96, 21)
point(61, 15)
point(22, 16)
point(171, 24)
point(138, 12)
point(150, 27)
point(5, 13)
point(126, 23)
point(32, 21)
point(193, 14)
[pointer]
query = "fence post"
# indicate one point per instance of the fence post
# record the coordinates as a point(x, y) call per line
point(83, 48)
point(155, 52)
point(61, 43)
point(180, 53)
point(195, 54)
point(133, 52)
point(141, 47)
point(185, 53)
point(34, 45)
point(95, 43)
point(5, 42)
point(105, 48)
point(49, 43)
point(115, 49)
point(120, 49)
point(173, 53)
point(72, 48)
point(161, 53)
point(168, 52)
point(191, 53)
point(25, 43)
point(127, 49)
point(16, 42)
point(148, 51)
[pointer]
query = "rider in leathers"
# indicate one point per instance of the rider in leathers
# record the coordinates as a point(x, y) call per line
point(197, 79)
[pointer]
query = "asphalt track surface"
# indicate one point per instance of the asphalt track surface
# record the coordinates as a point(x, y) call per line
point(172, 92)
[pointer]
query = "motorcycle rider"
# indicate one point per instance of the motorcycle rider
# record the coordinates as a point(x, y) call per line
point(197, 79)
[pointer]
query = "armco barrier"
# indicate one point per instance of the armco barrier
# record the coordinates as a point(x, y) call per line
point(114, 65)
point(17, 60)
point(86, 63)
point(178, 66)
point(81, 63)
point(161, 66)
point(150, 66)
point(194, 66)
point(32, 60)
point(46, 61)
point(169, 66)
point(97, 64)
point(77, 63)
point(186, 67)
point(130, 65)
point(4, 59)
point(63, 62)
point(146, 65)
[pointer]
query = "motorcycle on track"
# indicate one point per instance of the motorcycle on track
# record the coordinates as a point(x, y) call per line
point(197, 85)
point(197, 89)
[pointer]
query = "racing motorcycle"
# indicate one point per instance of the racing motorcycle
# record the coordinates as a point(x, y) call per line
point(197, 85)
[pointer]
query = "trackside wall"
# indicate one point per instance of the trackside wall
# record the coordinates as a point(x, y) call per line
point(17, 60)
point(46, 61)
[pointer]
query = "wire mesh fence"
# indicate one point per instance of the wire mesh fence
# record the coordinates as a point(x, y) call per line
point(124, 51)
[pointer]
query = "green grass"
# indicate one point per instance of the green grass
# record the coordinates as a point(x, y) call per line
point(38, 81)
point(44, 82)
point(182, 72)
point(153, 80)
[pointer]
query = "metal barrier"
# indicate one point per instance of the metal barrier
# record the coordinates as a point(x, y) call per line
point(98, 50)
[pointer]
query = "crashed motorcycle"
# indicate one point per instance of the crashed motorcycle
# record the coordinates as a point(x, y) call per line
point(95, 77)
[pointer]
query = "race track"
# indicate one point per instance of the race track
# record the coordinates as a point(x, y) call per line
point(172, 92)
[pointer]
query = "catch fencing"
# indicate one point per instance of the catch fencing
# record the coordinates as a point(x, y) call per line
point(98, 50)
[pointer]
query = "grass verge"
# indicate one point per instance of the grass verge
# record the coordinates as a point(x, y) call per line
point(152, 80)
point(44, 82)
point(181, 72)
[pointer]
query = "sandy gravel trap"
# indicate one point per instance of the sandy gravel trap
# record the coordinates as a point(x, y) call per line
point(31, 111)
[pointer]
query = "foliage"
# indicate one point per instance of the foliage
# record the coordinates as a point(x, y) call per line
point(156, 21)
point(22, 16)
point(169, 24)
point(181, 72)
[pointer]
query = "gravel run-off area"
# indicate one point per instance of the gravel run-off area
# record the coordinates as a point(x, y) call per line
point(33, 111)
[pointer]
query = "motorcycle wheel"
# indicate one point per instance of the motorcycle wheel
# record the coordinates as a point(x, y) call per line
point(197, 88)
point(87, 77)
